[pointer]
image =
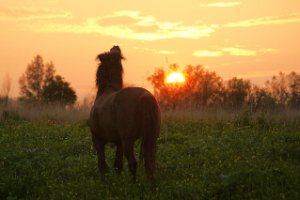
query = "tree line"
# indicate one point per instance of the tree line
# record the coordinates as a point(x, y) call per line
point(40, 84)
point(204, 88)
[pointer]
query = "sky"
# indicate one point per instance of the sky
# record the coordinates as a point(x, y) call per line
point(250, 39)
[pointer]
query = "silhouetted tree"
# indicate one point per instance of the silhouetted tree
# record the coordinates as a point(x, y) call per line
point(294, 84)
point(31, 82)
point(237, 91)
point(5, 90)
point(261, 99)
point(49, 72)
point(157, 81)
point(279, 89)
point(39, 84)
point(203, 87)
point(58, 91)
point(170, 95)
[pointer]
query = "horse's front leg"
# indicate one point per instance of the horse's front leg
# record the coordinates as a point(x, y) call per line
point(119, 157)
point(99, 146)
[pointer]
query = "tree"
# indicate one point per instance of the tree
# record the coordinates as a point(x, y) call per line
point(201, 88)
point(157, 81)
point(294, 84)
point(5, 90)
point(204, 87)
point(279, 89)
point(237, 91)
point(49, 72)
point(261, 99)
point(40, 84)
point(166, 94)
point(58, 91)
point(31, 82)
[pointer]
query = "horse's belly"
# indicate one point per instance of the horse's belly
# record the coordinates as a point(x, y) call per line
point(109, 136)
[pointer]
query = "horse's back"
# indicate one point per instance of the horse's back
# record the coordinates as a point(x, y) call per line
point(131, 94)
point(119, 115)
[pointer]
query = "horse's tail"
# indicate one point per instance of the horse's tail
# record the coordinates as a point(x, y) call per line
point(150, 127)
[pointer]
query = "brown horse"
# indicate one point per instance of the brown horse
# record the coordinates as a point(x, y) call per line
point(123, 115)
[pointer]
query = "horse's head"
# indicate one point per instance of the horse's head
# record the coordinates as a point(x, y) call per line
point(110, 70)
point(115, 49)
point(113, 56)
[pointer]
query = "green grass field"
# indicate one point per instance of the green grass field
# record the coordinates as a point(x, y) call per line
point(242, 158)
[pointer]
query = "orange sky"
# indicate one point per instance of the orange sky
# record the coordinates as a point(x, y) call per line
point(251, 39)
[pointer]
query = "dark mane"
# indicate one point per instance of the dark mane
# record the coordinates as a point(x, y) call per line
point(110, 71)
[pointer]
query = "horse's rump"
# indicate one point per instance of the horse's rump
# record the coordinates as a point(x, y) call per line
point(131, 107)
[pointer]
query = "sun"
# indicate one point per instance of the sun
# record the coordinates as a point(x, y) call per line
point(175, 77)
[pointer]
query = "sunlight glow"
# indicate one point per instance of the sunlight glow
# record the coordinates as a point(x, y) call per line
point(175, 77)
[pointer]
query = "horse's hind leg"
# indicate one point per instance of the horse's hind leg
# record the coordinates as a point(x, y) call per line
point(119, 157)
point(99, 146)
point(129, 153)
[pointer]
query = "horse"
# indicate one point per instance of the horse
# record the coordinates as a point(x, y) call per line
point(123, 115)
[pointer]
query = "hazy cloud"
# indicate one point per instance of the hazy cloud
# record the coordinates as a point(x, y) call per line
point(30, 14)
point(147, 27)
point(233, 51)
point(290, 18)
point(165, 52)
point(268, 50)
point(221, 4)
point(131, 25)
point(207, 53)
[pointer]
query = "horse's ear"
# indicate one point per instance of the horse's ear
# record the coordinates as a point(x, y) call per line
point(102, 57)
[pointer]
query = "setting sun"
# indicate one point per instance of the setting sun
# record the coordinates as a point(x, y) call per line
point(175, 77)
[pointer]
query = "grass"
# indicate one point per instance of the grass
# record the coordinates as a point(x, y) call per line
point(243, 157)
